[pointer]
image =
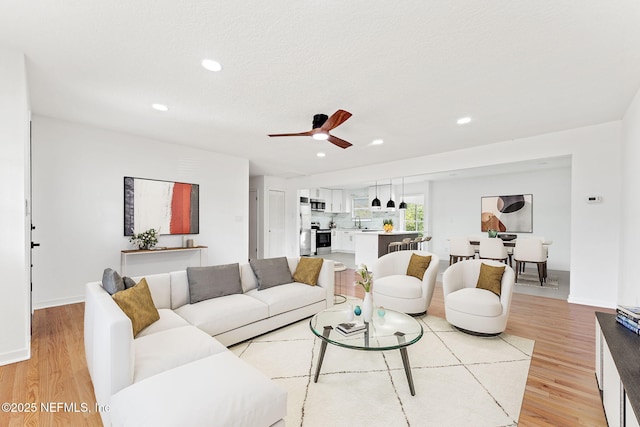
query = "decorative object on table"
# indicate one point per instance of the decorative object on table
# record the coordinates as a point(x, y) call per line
point(381, 311)
point(357, 311)
point(350, 314)
point(507, 213)
point(387, 225)
point(172, 207)
point(492, 233)
point(351, 328)
point(146, 239)
point(366, 280)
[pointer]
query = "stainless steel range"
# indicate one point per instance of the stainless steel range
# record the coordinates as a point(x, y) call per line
point(323, 239)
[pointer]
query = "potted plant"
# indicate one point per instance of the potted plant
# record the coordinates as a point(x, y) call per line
point(146, 239)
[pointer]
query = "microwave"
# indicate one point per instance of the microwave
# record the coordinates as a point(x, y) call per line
point(317, 205)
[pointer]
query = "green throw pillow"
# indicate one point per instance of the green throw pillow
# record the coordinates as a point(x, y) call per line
point(418, 264)
point(490, 278)
point(308, 270)
point(138, 305)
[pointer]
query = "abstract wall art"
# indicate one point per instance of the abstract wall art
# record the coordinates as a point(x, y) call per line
point(512, 214)
point(170, 207)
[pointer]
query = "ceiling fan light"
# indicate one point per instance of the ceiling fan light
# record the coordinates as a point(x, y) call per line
point(320, 136)
point(403, 205)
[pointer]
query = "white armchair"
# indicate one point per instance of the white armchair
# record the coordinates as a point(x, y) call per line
point(394, 289)
point(476, 310)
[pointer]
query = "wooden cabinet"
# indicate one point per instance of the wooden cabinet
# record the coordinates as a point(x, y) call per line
point(617, 371)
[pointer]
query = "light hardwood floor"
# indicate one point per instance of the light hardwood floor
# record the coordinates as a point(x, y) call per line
point(561, 388)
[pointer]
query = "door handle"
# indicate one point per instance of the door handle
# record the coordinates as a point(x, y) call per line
point(33, 245)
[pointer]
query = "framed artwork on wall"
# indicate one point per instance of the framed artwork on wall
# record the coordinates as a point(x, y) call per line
point(169, 207)
point(512, 214)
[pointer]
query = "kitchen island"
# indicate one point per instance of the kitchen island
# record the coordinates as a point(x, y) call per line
point(373, 244)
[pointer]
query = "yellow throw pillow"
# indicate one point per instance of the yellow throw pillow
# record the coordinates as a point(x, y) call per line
point(418, 264)
point(137, 304)
point(308, 270)
point(490, 278)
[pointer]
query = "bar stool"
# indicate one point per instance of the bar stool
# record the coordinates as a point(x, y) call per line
point(394, 246)
point(406, 243)
point(415, 243)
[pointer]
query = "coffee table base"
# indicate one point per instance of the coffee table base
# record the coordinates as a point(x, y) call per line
point(403, 353)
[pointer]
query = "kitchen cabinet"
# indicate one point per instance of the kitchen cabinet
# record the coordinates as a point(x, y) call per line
point(336, 201)
point(336, 241)
point(343, 240)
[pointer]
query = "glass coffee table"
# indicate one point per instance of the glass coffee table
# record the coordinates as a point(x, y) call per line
point(393, 331)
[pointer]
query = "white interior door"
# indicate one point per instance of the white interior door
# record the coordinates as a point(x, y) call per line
point(275, 230)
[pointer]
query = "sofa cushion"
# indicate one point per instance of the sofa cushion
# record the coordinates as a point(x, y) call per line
point(111, 281)
point(218, 315)
point(160, 288)
point(213, 282)
point(271, 272)
point(137, 304)
point(418, 264)
point(169, 349)
point(308, 270)
point(479, 302)
point(168, 320)
point(290, 296)
point(490, 278)
point(399, 286)
point(220, 390)
point(128, 282)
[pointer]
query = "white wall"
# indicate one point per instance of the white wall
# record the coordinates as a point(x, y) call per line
point(78, 202)
point(630, 209)
point(15, 308)
point(596, 163)
point(456, 208)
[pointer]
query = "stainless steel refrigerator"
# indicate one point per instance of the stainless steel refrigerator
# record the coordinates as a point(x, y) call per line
point(305, 226)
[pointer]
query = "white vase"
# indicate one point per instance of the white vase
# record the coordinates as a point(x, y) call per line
point(367, 307)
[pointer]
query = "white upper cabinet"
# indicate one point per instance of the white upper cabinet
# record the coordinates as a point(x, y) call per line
point(336, 201)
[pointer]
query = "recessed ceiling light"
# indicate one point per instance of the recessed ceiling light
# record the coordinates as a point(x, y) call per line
point(377, 142)
point(463, 120)
point(320, 136)
point(211, 65)
point(160, 107)
point(320, 154)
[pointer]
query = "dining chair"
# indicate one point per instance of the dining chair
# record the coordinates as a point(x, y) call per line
point(531, 250)
point(460, 248)
point(493, 248)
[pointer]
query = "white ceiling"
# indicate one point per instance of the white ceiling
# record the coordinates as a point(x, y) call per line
point(406, 70)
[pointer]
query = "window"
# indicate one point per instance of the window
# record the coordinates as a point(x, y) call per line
point(361, 208)
point(414, 214)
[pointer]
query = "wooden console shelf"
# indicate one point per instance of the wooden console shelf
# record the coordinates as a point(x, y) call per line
point(135, 252)
point(618, 370)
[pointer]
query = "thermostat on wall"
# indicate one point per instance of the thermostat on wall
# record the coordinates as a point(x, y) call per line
point(594, 199)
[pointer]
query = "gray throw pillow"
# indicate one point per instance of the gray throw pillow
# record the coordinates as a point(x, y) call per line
point(128, 282)
point(111, 281)
point(213, 282)
point(271, 272)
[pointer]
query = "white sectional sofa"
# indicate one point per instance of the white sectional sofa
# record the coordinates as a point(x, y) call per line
point(178, 371)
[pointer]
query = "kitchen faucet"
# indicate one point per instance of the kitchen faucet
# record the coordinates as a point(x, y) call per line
point(357, 222)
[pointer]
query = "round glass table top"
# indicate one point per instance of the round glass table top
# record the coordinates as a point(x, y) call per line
point(392, 331)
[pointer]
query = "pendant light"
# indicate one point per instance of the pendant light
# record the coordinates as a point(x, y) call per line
point(376, 202)
point(391, 204)
point(403, 205)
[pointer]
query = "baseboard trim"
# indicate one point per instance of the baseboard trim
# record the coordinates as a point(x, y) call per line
point(590, 302)
point(58, 302)
point(15, 356)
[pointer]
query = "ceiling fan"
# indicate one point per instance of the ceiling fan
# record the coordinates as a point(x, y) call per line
point(322, 124)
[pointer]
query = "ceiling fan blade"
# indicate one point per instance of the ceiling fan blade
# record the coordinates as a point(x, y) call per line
point(339, 142)
point(308, 133)
point(335, 120)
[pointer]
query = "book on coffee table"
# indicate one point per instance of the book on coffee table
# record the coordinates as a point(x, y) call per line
point(351, 328)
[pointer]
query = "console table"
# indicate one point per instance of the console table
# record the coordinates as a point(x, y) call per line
point(618, 370)
point(124, 255)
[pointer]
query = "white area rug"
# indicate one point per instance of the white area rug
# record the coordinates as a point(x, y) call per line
point(531, 279)
point(460, 380)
